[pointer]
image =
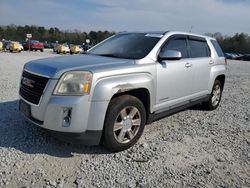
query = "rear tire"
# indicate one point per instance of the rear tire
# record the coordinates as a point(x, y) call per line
point(215, 97)
point(124, 123)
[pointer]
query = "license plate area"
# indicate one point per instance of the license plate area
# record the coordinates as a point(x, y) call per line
point(25, 108)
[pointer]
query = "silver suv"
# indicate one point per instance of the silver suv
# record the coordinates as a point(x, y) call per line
point(108, 94)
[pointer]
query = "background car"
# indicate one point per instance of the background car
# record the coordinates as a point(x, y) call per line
point(33, 45)
point(6, 45)
point(15, 46)
point(62, 48)
point(75, 49)
point(85, 47)
point(48, 45)
point(228, 56)
point(246, 57)
point(1, 46)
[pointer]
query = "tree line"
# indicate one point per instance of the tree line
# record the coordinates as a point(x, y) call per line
point(239, 43)
point(51, 35)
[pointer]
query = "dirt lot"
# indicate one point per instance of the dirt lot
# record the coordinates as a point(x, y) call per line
point(193, 148)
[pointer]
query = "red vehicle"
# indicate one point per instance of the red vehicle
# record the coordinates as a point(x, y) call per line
point(33, 45)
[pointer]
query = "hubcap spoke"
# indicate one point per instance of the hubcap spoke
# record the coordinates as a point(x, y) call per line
point(118, 126)
point(136, 122)
point(130, 134)
point(213, 99)
point(123, 113)
point(133, 112)
point(121, 136)
point(214, 92)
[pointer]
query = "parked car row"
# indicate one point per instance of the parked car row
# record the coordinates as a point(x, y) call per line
point(237, 56)
point(12, 46)
point(65, 48)
point(35, 45)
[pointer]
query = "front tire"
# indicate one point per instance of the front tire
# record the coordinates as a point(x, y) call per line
point(215, 96)
point(124, 123)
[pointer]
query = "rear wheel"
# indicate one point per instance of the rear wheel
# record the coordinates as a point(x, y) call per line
point(124, 123)
point(215, 96)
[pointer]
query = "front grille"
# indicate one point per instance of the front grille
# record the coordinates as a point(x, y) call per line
point(32, 86)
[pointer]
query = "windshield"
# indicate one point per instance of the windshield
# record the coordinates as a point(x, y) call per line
point(127, 45)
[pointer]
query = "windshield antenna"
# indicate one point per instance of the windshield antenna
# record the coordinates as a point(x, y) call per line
point(191, 28)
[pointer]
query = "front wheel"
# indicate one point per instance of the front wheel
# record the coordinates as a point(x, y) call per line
point(215, 96)
point(124, 123)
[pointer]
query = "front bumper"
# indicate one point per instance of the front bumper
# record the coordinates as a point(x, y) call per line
point(85, 128)
point(85, 138)
point(86, 117)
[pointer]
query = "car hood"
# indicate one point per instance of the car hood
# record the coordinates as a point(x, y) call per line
point(54, 67)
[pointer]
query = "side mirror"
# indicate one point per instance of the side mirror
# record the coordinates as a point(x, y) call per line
point(170, 55)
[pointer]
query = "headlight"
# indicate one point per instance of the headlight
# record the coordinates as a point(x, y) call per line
point(74, 83)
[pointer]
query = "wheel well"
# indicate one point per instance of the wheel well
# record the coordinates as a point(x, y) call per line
point(221, 78)
point(142, 94)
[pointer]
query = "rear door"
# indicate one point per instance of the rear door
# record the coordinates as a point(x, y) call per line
point(201, 61)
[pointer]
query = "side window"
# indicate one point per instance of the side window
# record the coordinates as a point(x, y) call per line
point(179, 44)
point(198, 48)
point(217, 48)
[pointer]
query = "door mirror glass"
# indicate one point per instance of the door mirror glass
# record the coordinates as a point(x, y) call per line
point(170, 55)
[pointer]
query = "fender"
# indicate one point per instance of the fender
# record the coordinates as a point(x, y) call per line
point(106, 88)
point(215, 72)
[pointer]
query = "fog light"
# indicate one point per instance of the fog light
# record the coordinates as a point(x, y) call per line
point(66, 117)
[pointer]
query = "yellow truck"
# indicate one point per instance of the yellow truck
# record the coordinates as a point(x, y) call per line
point(15, 46)
point(62, 48)
point(75, 49)
point(1, 46)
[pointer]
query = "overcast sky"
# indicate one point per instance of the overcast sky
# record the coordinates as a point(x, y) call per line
point(203, 16)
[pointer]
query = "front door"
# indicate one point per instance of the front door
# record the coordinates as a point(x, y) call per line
point(174, 77)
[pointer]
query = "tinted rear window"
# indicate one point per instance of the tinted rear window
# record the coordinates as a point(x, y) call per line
point(217, 48)
point(198, 48)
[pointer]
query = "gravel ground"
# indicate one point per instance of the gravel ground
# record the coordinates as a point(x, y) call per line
point(193, 148)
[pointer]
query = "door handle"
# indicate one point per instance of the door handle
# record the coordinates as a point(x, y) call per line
point(188, 65)
point(211, 62)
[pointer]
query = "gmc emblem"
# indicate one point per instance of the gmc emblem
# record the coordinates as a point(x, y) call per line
point(28, 82)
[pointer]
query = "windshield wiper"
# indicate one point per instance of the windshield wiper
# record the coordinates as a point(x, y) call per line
point(108, 55)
